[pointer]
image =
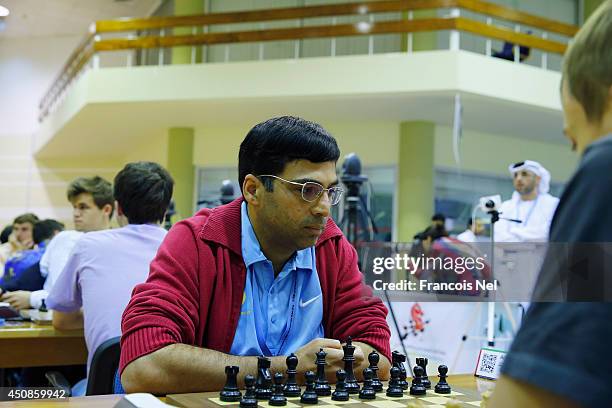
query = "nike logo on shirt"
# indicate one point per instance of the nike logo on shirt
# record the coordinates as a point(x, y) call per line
point(309, 301)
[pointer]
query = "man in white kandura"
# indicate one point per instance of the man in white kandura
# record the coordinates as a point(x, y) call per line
point(530, 203)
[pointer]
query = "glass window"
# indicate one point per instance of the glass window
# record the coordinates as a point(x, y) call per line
point(209, 182)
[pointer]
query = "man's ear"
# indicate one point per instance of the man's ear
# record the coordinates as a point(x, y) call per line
point(250, 188)
point(107, 209)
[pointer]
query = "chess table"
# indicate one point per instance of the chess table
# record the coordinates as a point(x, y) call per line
point(26, 344)
point(465, 388)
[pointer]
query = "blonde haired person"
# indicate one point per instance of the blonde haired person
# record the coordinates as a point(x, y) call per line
point(560, 357)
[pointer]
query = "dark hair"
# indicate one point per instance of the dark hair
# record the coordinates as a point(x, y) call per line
point(6, 232)
point(587, 61)
point(99, 188)
point(270, 145)
point(434, 232)
point(143, 190)
point(26, 218)
point(438, 217)
point(45, 229)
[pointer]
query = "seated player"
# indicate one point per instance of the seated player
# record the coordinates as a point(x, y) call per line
point(104, 266)
point(267, 274)
point(92, 202)
point(23, 271)
point(19, 240)
point(560, 357)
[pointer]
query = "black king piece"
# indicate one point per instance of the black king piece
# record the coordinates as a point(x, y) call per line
point(351, 383)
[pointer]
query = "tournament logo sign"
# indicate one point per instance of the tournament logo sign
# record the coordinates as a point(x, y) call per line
point(443, 332)
point(417, 322)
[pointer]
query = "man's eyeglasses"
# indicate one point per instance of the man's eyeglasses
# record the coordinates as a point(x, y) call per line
point(311, 191)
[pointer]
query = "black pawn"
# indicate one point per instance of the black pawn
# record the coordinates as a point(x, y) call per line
point(394, 389)
point(292, 389)
point(351, 383)
point(442, 386)
point(340, 393)
point(263, 385)
point(230, 392)
point(322, 387)
point(373, 359)
point(309, 396)
point(422, 362)
point(249, 400)
point(397, 360)
point(417, 387)
point(367, 391)
point(278, 399)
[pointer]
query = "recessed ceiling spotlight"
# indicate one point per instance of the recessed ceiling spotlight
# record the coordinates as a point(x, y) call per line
point(4, 11)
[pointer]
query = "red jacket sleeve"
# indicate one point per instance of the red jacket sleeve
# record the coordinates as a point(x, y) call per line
point(164, 309)
point(357, 312)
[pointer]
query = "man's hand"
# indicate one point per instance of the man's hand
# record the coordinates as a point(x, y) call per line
point(307, 357)
point(19, 299)
point(16, 245)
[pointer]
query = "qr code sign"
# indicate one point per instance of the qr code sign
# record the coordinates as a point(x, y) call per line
point(489, 363)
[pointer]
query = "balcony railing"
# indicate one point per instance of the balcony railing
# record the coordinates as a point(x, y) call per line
point(138, 34)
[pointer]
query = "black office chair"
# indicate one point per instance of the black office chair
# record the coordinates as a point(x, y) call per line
point(103, 368)
point(102, 372)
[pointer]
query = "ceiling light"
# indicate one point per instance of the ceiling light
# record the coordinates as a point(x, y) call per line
point(4, 11)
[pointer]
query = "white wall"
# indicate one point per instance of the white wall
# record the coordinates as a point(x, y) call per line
point(27, 69)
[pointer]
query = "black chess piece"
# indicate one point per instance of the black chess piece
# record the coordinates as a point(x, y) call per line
point(263, 385)
point(373, 359)
point(292, 389)
point(340, 393)
point(422, 362)
point(417, 387)
point(43, 307)
point(230, 392)
point(322, 387)
point(442, 386)
point(249, 400)
point(394, 389)
point(351, 383)
point(309, 396)
point(397, 360)
point(278, 399)
point(367, 391)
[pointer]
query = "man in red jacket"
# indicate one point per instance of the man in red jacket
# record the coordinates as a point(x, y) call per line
point(269, 273)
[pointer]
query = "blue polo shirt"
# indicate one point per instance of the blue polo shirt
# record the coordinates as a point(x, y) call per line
point(16, 265)
point(278, 315)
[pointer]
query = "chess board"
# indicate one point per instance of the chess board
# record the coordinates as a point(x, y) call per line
point(469, 399)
